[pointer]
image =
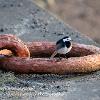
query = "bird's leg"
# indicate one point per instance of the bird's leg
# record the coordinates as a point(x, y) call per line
point(66, 56)
point(59, 57)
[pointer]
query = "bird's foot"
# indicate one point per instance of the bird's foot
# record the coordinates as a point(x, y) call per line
point(59, 59)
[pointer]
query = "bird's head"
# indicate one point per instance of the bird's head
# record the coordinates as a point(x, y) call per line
point(66, 39)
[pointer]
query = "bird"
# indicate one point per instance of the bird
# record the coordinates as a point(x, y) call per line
point(63, 46)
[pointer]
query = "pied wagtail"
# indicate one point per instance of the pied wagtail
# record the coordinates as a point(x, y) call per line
point(63, 46)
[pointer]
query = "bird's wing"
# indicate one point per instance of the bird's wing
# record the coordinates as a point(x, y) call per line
point(60, 45)
point(52, 56)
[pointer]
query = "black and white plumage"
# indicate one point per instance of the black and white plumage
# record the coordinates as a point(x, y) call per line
point(63, 46)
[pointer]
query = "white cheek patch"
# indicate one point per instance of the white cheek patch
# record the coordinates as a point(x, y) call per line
point(64, 40)
point(67, 39)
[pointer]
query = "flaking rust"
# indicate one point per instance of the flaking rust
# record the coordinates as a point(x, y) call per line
point(81, 59)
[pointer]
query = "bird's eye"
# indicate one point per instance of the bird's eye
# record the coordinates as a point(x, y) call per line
point(67, 39)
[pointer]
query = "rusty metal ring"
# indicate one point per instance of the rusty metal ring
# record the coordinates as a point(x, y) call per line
point(82, 58)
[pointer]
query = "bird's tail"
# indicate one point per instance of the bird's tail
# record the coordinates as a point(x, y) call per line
point(52, 56)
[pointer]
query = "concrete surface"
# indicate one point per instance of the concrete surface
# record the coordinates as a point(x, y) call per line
point(84, 15)
point(29, 22)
